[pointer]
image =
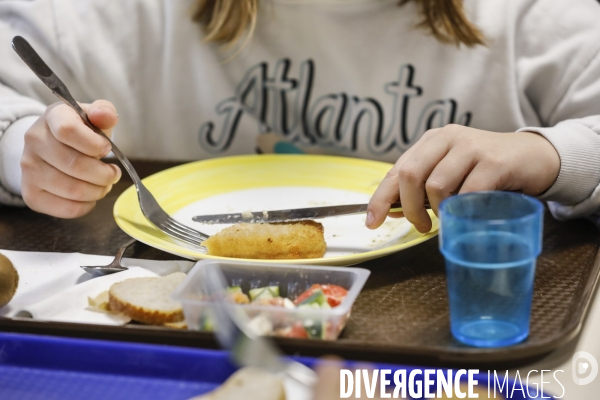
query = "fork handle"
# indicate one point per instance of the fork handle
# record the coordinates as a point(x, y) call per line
point(53, 82)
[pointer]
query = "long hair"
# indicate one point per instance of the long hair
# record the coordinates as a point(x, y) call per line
point(227, 21)
point(447, 22)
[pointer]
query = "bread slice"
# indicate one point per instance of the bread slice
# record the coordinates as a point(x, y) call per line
point(147, 300)
point(248, 383)
point(277, 241)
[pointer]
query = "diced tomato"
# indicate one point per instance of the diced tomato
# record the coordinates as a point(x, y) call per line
point(335, 294)
point(297, 331)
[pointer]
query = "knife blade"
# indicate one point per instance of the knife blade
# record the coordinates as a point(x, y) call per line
point(295, 214)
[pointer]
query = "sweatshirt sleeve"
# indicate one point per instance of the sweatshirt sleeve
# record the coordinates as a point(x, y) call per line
point(22, 96)
point(11, 149)
point(560, 68)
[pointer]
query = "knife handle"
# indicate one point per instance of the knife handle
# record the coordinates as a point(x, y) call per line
point(397, 206)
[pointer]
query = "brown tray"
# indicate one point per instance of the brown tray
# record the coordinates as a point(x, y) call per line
point(401, 315)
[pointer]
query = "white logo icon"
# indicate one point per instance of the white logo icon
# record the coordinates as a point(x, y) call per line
point(584, 368)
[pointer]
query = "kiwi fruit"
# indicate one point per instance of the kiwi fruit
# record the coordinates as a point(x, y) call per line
point(9, 280)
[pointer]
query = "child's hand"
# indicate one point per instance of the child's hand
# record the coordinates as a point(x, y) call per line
point(459, 159)
point(62, 172)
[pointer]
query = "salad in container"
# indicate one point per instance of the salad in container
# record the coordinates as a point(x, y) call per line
point(307, 302)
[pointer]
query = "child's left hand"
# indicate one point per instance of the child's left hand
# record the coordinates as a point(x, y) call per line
point(458, 159)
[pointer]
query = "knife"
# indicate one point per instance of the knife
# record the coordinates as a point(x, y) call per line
point(296, 214)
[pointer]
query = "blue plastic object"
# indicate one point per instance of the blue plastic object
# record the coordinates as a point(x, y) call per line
point(491, 241)
point(50, 368)
point(37, 367)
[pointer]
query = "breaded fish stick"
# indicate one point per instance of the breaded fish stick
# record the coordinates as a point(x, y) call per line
point(277, 241)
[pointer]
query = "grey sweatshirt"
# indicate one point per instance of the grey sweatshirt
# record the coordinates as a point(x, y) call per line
point(344, 77)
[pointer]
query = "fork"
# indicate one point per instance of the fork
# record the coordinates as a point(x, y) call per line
point(245, 346)
point(150, 207)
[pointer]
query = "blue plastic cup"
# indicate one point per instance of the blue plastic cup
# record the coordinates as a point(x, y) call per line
point(490, 241)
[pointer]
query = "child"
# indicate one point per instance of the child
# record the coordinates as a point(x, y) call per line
point(485, 95)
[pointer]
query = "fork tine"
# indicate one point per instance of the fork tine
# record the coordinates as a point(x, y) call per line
point(173, 232)
point(182, 243)
point(186, 229)
point(168, 229)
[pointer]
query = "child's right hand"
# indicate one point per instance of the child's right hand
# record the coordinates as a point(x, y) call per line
point(62, 172)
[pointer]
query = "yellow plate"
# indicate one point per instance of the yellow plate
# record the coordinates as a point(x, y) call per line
point(267, 182)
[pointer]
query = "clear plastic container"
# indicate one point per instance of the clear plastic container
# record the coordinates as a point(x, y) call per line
point(316, 323)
